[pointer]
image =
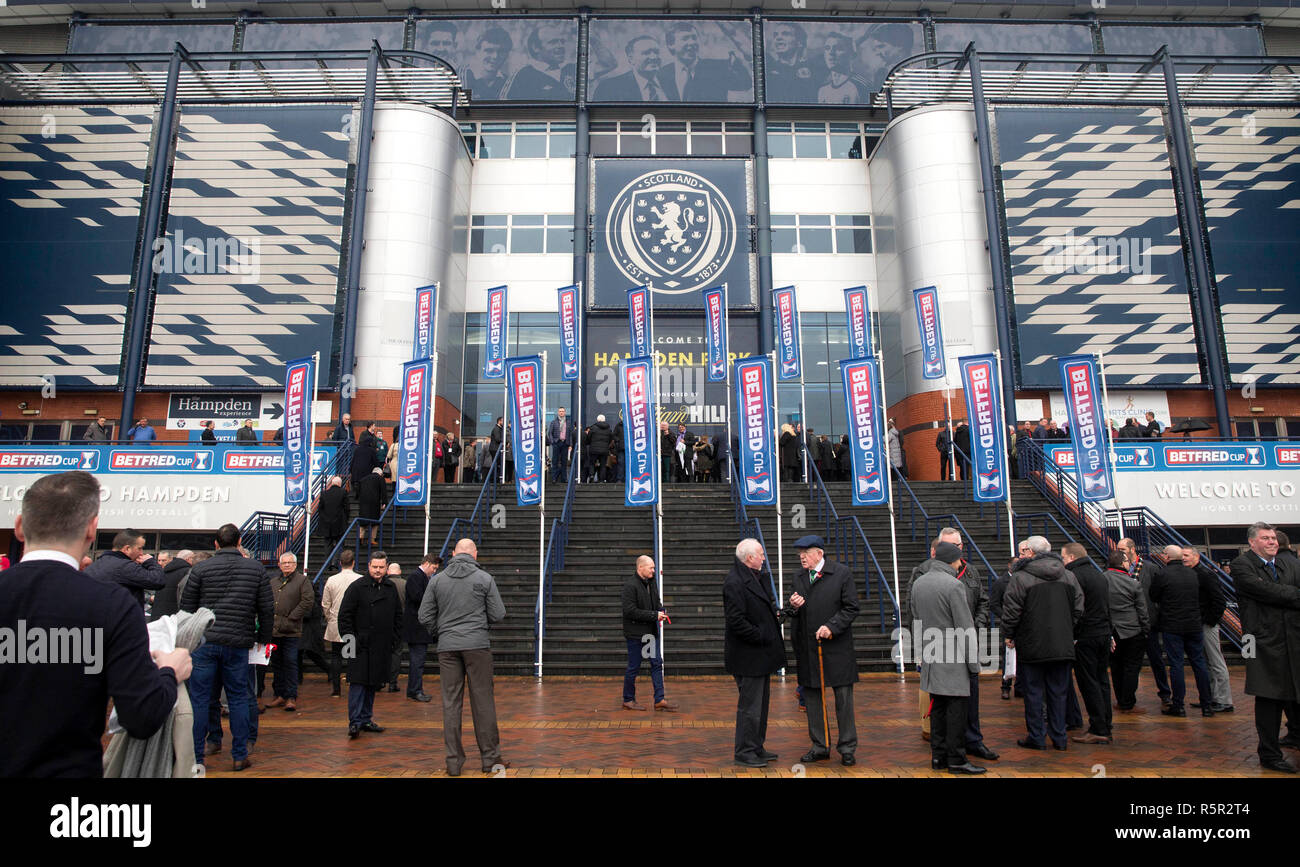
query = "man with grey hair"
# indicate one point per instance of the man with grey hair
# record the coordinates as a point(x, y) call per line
point(1220, 685)
point(294, 598)
point(167, 600)
point(53, 714)
point(752, 649)
point(1268, 591)
point(642, 615)
point(1042, 604)
point(335, 512)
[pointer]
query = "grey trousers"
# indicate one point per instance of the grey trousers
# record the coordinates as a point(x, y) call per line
point(847, 739)
point(1220, 686)
point(454, 668)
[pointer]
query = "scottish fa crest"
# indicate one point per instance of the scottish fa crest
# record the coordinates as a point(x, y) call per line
point(672, 230)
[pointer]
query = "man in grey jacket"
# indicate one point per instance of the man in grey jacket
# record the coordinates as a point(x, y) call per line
point(459, 604)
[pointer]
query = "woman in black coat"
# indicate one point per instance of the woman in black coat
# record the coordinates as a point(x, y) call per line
point(789, 454)
point(451, 451)
point(370, 494)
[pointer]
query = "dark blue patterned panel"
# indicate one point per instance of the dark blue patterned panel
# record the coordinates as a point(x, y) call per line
point(1096, 257)
point(321, 36)
point(528, 59)
point(249, 277)
point(1249, 166)
point(1238, 41)
point(70, 189)
point(1036, 38)
point(834, 62)
point(126, 39)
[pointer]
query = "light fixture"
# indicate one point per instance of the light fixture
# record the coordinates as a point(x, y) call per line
point(91, 411)
point(31, 412)
point(1257, 409)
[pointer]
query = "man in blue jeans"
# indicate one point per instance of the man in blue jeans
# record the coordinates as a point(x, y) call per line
point(1180, 593)
point(642, 614)
point(235, 589)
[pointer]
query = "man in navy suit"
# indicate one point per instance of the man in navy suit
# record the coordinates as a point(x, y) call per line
point(640, 83)
point(690, 79)
point(95, 643)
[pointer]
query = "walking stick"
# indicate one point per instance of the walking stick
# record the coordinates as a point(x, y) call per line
point(821, 675)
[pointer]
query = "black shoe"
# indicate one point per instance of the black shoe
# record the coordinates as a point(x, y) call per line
point(419, 696)
point(392, 687)
point(453, 772)
point(847, 760)
point(811, 756)
point(1279, 765)
point(371, 727)
point(1029, 745)
point(983, 752)
point(767, 756)
point(1061, 747)
point(1176, 711)
point(1223, 708)
point(967, 768)
point(353, 731)
point(1290, 741)
point(748, 762)
point(335, 694)
point(1208, 711)
point(1006, 693)
point(938, 764)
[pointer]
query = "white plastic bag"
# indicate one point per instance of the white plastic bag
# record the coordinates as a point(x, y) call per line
point(162, 639)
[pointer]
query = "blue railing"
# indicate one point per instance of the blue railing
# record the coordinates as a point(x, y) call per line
point(851, 545)
point(1103, 528)
point(472, 527)
point(555, 546)
point(748, 527)
point(359, 525)
point(267, 535)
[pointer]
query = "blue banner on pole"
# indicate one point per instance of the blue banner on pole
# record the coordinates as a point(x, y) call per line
point(866, 431)
point(979, 379)
point(1087, 417)
point(639, 325)
point(636, 385)
point(527, 408)
point(757, 458)
point(933, 363)
point(299, 376)
point(787, 332)
point(858, 316)
point(570, 334)
point(413, 434)
point(715, 333)
point(498, 334)
point(426, 308)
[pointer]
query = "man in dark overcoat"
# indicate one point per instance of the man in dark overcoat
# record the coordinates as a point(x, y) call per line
point(1268, 591)
point(417, 637)
point(752, 649)
point(822, 608)
point(370, 617)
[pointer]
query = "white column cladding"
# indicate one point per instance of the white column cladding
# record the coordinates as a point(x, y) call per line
point(929, 216)
point(419, 176)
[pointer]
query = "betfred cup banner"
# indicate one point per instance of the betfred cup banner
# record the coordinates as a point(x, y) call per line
point(1087, 418)
point(636, 385)
point(426, 308)
point(413, 434)
point(866, 431)
point(494, 356)
point(299, 378)
point(715, 333)
point(933, 364)
point(756, 402)
point(979, 379)
point(527, 408)
point(638, 321)
point(787, 332)
point(859, 322)
point(570, 335)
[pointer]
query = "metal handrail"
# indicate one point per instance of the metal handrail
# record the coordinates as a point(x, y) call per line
point(344, 540)
point(557, 541)
point(286, 529)
point(848, 533)
point(482, 506)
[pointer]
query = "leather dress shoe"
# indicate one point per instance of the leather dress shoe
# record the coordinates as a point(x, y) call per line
point(419, 696)
point(1030, 745)
point(938, 764)
point(1090, 738)
point(925, 736)
point(1290, 741)
point(1223, 708)
point(983, 752)
point(812, 756)
point(240, 764)
point(967, 768)
point(665, 704)
point(353, 731)
point(1006, 693)
point(1062, 746)
point(453, 772)
point(291, 705)
point(847, 760)
point(767, 756)
point(1175, 711)
point(1208, 711)
point(279, 700)
point(748, 762)
point(371, 727)
point(633, 705)
point(392, 687)
point(1280, 765)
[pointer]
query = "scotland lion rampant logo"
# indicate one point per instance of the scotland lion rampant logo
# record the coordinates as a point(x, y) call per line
point(672, 230)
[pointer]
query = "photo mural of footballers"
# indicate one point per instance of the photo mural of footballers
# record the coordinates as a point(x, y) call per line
point(532, 60)
point(834, 62)
point(635, 60)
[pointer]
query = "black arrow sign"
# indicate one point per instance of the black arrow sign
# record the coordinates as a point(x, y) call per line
point(275, 410)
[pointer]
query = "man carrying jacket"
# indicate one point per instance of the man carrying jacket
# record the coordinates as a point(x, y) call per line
point(822, 608)
point(752, 650)
point(1092, 644)
point(642, 614)
point(1181, 594)
point(294, 599)
point(1042, 605)
point(459, 605)
point(128, 564)
point(234, 588)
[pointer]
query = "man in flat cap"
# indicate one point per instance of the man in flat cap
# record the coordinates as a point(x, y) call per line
point(822, 608)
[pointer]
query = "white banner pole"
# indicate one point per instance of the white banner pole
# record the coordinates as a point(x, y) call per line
point(889, 492)
point(541, 528)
